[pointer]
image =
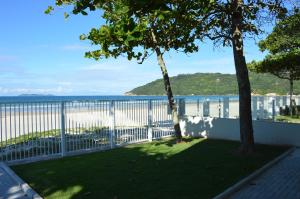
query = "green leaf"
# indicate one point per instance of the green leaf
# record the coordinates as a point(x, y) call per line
point(66, 15)
point(83, 12)
point(82, 37)
point(126, 42)
point(161, 17)
point(49, 10)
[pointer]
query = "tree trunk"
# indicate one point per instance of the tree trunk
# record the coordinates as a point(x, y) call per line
point(246, 128)
point(168, 90)
point(291, 96)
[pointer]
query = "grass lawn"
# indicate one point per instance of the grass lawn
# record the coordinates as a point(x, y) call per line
point(293, 119)
point(199, 168)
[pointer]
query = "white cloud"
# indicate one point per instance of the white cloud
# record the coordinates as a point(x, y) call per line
point(16, 91)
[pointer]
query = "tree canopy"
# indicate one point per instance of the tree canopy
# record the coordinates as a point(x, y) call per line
point(284, 47)
point(285, 36)
point(284, 65)
point(130, 24)
point(217, 24)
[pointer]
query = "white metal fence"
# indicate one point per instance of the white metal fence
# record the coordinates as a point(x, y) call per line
point(43, 129)
point(263, 107)
point(36, 130)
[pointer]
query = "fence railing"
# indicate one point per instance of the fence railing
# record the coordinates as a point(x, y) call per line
point(43, 129)
point(263, 107)
point(35, 130)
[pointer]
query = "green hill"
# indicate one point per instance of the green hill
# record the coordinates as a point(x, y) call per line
point(216, 83)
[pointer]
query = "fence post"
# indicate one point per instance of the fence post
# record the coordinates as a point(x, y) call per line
point(277, 104)
point(112, 123)
point(284, 101)
point(254, 108)
point(226, 107)
point(219, 107)
point(169, 110)
point(273, 109)
point(150, 130)
point(261, 107)
point(181, 107)
point(62, 129)
point(198, 107)
point(206, 108)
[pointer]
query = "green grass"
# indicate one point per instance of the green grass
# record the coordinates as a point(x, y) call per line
point(30, 137)
point(199, 168)
point(290, 119)
point(37, 135)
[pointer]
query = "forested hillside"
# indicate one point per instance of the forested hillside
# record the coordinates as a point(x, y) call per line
point(216, 84)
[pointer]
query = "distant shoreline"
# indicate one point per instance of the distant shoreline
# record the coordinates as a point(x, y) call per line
point(34, 95)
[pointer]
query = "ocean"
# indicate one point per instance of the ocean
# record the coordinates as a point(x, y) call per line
point(50, 98)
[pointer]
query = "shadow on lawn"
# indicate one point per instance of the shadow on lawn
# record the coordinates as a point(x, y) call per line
point(198, 168)
point(172, 142)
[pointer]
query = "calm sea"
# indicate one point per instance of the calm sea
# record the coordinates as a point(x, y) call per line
point(20, 99)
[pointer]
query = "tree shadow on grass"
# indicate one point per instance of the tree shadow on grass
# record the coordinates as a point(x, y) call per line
point(172, 142)
point(199, 168)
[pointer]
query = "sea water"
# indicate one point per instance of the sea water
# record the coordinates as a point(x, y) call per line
point(50, 98)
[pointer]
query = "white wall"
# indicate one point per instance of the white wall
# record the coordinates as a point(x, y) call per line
point(265, 132)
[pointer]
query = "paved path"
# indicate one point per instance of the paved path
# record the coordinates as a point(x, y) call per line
point(9, 188)
point(282, 181)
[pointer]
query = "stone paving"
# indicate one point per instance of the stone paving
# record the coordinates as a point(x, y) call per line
point(9, 188)
point(282, 181)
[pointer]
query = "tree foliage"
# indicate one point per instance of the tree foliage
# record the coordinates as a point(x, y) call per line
point(217, 24)
point(284, 65)
point(129, 24)
point(284, 45)
point(285, 36)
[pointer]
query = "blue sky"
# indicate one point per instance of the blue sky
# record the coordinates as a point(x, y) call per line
point(43, 54)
